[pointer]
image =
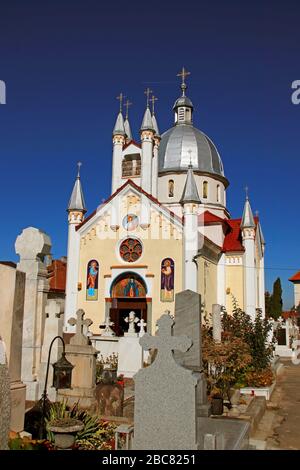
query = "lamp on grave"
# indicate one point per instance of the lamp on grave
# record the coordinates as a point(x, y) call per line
point(62, 378)
point(62, 373)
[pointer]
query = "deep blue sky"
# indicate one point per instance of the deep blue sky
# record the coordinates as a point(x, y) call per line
point(64, 62)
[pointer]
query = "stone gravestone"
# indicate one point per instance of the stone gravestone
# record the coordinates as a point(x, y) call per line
point(165, 399)
point(12, 293)
point(188, 322)
point(130, 357)
point(110, 398)
point(166, 411)
point(82, 355)
point(32, 246)
point(216, 322)
point(53, 327)
point(5, 401)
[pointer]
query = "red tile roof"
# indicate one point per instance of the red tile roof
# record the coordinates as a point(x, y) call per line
point(233, 238)
point(290, 314)
point(133, 142)
point(210, 218)
point(295, 278)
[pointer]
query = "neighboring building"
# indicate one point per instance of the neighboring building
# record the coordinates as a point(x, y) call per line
point(296, 281)
point(57, 272)
point(165, 228)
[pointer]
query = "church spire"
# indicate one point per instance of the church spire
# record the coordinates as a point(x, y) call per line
point(247, 219)
point(147, 124)
point(119, 128)
point(190, 192)
point(126, 122)
point(76, 202)
point(154, 121)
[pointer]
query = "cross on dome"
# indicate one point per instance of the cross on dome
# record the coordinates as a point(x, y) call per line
point(183, 74)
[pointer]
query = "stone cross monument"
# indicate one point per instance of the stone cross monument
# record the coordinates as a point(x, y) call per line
point(142, 324)
point(188, 322)
point(108, 331)
point(131, 320)
point(83, 357)
point(165, 414)
point(79, 338)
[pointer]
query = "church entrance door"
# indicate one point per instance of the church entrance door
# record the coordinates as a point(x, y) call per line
point(128, 293)
point(121, 311)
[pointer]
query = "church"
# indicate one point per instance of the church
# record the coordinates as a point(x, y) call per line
point(165, 228)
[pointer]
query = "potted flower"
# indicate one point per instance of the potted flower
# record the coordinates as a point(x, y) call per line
point(64, 431)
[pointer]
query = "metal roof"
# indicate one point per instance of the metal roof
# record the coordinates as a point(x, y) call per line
point(247, 219)
point(147, 123)
point(119, 125)
point(190, 191)
point(182, 145)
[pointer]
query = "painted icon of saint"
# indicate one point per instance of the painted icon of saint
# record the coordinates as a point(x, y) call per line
point(167, 280)
point(131, 288)
point(92, 280)
point(130, 222)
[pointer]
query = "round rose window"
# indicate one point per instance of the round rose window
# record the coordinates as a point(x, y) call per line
point(131, 250)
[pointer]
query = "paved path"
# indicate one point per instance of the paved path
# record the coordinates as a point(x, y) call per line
point(284, 410)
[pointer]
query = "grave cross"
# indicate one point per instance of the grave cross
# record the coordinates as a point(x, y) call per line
point(79, 337)
point(107, 330)
point(165, 342)
point(142, 325)
point(131, 320)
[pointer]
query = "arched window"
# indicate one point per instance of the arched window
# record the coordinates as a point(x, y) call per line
point(205, 190)
point(218, 193)
point(171, 188)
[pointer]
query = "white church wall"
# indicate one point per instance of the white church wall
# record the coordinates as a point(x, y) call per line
point(179, 182)
point(161, 240)
point(214, 233)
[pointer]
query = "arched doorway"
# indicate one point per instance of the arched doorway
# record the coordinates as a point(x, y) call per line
point(128, 292)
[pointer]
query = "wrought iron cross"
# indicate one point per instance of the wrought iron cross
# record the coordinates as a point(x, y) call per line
point(153, 99)
point(183, 74)
point(147, 93)
point(79, 165)
point(120, 98)
point(79, 337)
point(127, 104)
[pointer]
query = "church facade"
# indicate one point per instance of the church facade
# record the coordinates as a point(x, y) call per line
point(165, 228)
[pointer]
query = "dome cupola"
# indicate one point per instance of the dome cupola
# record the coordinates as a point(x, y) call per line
point(183, 106)
point(184, 144)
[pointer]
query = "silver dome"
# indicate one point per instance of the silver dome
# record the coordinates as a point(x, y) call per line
point(184, 144)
